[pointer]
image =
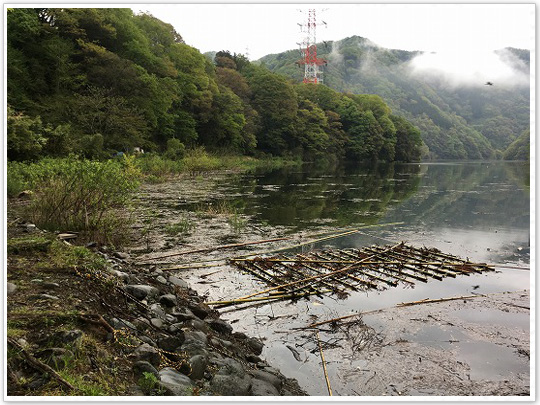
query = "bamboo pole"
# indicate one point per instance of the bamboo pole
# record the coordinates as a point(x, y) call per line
point(338, 235)
point(234, 245)
point(324, 366)
point(315, 277)
point(272, 297)
point(428, 301)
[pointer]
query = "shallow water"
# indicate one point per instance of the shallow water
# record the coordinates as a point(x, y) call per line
point(476, 210)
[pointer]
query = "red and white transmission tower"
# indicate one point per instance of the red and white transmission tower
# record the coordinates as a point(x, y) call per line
point(308, 50)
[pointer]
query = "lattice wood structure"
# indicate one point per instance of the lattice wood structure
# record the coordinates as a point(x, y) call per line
point(342, 271)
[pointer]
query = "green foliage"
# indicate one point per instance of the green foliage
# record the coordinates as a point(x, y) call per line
point(180, 228)
point(520, 148)
point(175, 149)
point(95, 81)
point(25, 138)
point(80, 195)
point(149, 384)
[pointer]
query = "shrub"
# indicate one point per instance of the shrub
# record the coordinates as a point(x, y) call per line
point(83, 195)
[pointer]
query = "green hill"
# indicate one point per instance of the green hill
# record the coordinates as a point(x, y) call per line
point(456, 122)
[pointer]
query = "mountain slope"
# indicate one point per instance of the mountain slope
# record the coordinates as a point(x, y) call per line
point(457, 121)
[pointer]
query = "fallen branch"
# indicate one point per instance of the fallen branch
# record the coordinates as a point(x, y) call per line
point(40, 365)
point(234, 245)
point(428, 301)
point(324, 365)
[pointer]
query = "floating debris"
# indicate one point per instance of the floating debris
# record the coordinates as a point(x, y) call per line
point(343, 270)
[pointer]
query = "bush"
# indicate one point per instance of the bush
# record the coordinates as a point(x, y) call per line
point(175, 149)
point(83, 195)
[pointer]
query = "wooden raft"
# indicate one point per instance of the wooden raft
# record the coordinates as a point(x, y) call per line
point(345, 270)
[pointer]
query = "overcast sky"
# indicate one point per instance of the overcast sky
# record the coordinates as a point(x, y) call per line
point(260, 29)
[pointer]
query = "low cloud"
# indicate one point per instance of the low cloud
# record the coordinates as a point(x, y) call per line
point(471, 68)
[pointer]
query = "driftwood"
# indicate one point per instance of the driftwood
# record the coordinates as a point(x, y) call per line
point(40, 365)
point(324, 366)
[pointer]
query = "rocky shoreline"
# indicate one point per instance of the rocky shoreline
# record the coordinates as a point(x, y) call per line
point(172, 343)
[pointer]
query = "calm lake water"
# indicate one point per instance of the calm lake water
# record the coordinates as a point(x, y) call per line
point(478, 210)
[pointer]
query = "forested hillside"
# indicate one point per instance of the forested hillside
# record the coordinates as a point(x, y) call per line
point(474, 121)
point(96, 81)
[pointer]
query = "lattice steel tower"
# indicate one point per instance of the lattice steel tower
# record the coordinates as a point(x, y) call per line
point(308, 50)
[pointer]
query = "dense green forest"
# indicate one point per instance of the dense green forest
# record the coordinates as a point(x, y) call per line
point(94, 81)
point(456, 122)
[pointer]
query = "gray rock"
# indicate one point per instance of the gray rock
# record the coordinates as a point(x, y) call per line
point(170, 318)
point(158, 323)
point(197, 336)
point(140, 367)
point(145, 352)
point(220, 326)
point(198, 366)
point(141, 291)
point(70, 336)
point(261, 388)
point(30, 228)
point(119, 323)
point(10, 288)
point(171, 343)
point(146, 339)
point(253, 359)
point(178, 282)
point(157, 310)
point(183, 314)
point(160, 279)
point(194, 348)
point(200, 310)
point(268, 377)
point(240, 335)
point(120, 274)
point(121, 255)
point(38, 383)
point(255, 345)
point(168, 300)
point(231, 379)
point(198, 325)
point(175, 383)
